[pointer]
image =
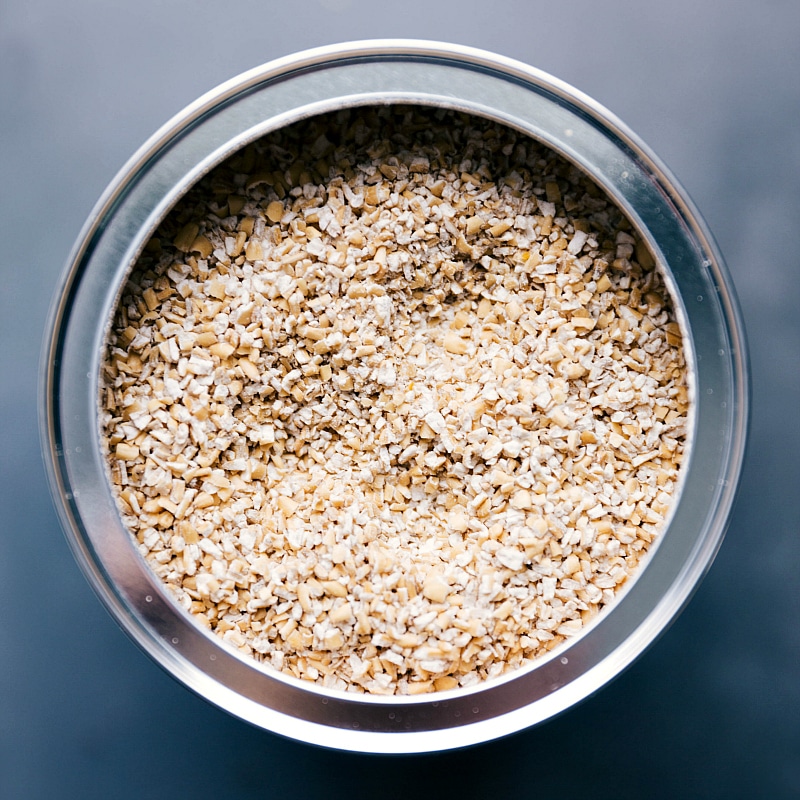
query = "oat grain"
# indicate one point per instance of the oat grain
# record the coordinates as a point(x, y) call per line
point(395, 401)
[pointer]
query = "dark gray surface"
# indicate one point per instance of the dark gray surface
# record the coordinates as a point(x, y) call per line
point(713, 709)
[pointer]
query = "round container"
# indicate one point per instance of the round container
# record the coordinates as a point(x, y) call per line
point(273, 96)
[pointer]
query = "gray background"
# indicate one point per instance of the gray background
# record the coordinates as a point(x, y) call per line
point(713, 709)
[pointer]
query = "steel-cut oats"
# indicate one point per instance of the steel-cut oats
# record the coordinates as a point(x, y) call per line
point(395, 401)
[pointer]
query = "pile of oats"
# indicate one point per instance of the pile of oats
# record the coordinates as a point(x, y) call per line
point(395, 401)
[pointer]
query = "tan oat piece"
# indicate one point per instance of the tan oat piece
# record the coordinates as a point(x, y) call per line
point(395, 401)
